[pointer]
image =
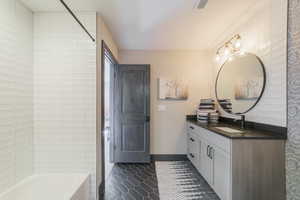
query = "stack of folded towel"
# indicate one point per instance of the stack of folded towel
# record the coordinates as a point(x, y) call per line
point(226, 105)
point(207, 112)
point(214, 117)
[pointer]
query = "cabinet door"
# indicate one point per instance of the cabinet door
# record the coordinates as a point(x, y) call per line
point(206, 162)
point(221, 173)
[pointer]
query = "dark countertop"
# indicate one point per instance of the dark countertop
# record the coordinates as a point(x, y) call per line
point(248, 132)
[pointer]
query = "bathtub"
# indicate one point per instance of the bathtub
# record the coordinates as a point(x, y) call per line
point(50, 187)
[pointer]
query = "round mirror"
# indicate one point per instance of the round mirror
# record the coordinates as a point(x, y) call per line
point(240, 83)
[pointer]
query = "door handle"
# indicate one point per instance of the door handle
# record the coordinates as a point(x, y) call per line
point(192, 127)
point(207, 151)
point(211, 152)
point(147, 118)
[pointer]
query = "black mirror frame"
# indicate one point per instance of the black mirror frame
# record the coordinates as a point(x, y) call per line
point(262, 91)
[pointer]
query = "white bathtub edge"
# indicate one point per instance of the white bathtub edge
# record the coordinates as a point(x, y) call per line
point(82, 190)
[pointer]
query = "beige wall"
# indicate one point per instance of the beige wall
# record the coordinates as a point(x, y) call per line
point(105, 34)
point(264, 32)
point(168, 127)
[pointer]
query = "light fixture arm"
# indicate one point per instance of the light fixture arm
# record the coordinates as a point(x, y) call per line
point(232, 45)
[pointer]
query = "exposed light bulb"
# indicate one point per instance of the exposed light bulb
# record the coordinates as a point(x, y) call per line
point(229, 49)
point(238, 44)
point(226, 51)
point(242, 52)
point(218, 57)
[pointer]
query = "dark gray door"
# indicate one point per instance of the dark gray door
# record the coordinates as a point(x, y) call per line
point(132, 111)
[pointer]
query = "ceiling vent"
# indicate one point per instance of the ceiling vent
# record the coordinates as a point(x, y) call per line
point(200, 4)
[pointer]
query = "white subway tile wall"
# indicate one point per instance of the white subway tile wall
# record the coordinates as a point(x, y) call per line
point(65, 95)
point(263, 28)
point(16, 93)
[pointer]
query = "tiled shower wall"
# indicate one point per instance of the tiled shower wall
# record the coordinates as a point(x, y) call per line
point(16, 93)
point(65, 95)
point(293, 144)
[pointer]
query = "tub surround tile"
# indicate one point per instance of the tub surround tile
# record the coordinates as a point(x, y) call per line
point(16, 93)
point(65, 95)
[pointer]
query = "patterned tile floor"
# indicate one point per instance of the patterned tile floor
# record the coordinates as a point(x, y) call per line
point(131, 182)
point(179, 180)
point(139, 182)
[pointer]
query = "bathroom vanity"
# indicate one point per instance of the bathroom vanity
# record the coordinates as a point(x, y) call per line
point(239, 165)
point(239, 162)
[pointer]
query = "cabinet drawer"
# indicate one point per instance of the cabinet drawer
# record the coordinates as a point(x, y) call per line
point(192, 143)
point(191, 128)
point(193, 148)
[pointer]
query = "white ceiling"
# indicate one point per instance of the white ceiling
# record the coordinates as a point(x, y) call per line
point(158, 24)
point(55, 5)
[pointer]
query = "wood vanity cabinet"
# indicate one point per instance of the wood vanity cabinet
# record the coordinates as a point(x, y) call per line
point(238, 169)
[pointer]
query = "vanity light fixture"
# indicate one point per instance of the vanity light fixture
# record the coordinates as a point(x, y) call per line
point(242, 52)
point(230, 48)
point(226, 50)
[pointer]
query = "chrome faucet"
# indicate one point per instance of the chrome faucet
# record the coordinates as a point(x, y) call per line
point(243, 121)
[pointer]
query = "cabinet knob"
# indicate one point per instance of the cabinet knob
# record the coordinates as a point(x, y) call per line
point(192, 155)
point(192, 127)
point(192, 139)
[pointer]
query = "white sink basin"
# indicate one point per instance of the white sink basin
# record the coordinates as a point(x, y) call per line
point(229, 130)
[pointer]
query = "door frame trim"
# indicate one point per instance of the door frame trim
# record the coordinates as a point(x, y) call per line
point(104, 50)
